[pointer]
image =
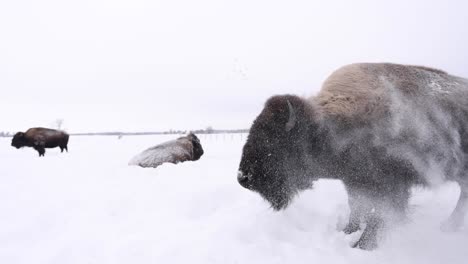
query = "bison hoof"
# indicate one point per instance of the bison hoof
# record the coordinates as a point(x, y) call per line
point(351, 228)
point(366, 244)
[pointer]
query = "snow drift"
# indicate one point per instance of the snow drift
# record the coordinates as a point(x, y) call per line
point(89, 206)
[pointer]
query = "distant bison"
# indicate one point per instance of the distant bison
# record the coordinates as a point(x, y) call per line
point(41, 138)
point(174, 151)
point(379, 128)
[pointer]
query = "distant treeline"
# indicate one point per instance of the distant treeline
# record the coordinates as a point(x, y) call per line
point(5, 134)
point(178, 132)
point(198, 131)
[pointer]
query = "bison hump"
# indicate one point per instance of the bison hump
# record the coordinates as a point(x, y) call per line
point(365, 91)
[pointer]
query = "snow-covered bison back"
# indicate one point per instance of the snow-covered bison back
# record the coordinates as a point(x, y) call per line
point(174, 151)
point(379, 128)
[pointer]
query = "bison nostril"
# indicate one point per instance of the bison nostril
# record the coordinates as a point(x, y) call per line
point(242, 178)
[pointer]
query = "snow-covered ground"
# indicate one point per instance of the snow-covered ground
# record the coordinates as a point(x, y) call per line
point(89, 206)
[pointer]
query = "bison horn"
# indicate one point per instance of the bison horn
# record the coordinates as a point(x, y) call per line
point(292, 117)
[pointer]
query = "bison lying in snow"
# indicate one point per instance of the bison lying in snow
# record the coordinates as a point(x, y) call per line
point(379, 128)
point(174, 151)
point(41, 138)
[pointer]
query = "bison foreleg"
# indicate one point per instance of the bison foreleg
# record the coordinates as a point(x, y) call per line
point(360, 207)
point(364, 210)
point(40, 150)
point(353, 225)
point(358, 210)
point(39, 146)
point(386, 206)
point(368, 239)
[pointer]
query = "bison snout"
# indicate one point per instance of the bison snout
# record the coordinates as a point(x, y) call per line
point(243, 179)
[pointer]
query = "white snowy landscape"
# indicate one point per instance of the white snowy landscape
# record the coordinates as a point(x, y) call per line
point(89, 206)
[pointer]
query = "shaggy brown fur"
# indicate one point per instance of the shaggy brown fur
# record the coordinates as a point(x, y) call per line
point(41, 138)
point(380, 128)
point(362, 92)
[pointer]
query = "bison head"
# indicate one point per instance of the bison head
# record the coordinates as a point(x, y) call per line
point(19, 140)
point(275, 160)
point(197, 147)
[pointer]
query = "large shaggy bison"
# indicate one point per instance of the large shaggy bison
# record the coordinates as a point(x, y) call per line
point(41, 138)
point(379, 128)
point(174, 151)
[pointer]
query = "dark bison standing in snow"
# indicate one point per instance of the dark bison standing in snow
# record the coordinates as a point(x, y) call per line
point(174, 151)
point(41, 138)
point(379, 128)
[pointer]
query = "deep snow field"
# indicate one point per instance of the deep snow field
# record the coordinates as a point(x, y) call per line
point(89, 206)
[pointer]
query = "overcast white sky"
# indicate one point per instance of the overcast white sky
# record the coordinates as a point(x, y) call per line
point(134, 65)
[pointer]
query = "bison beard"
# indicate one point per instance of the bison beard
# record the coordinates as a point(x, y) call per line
point(379, 128)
